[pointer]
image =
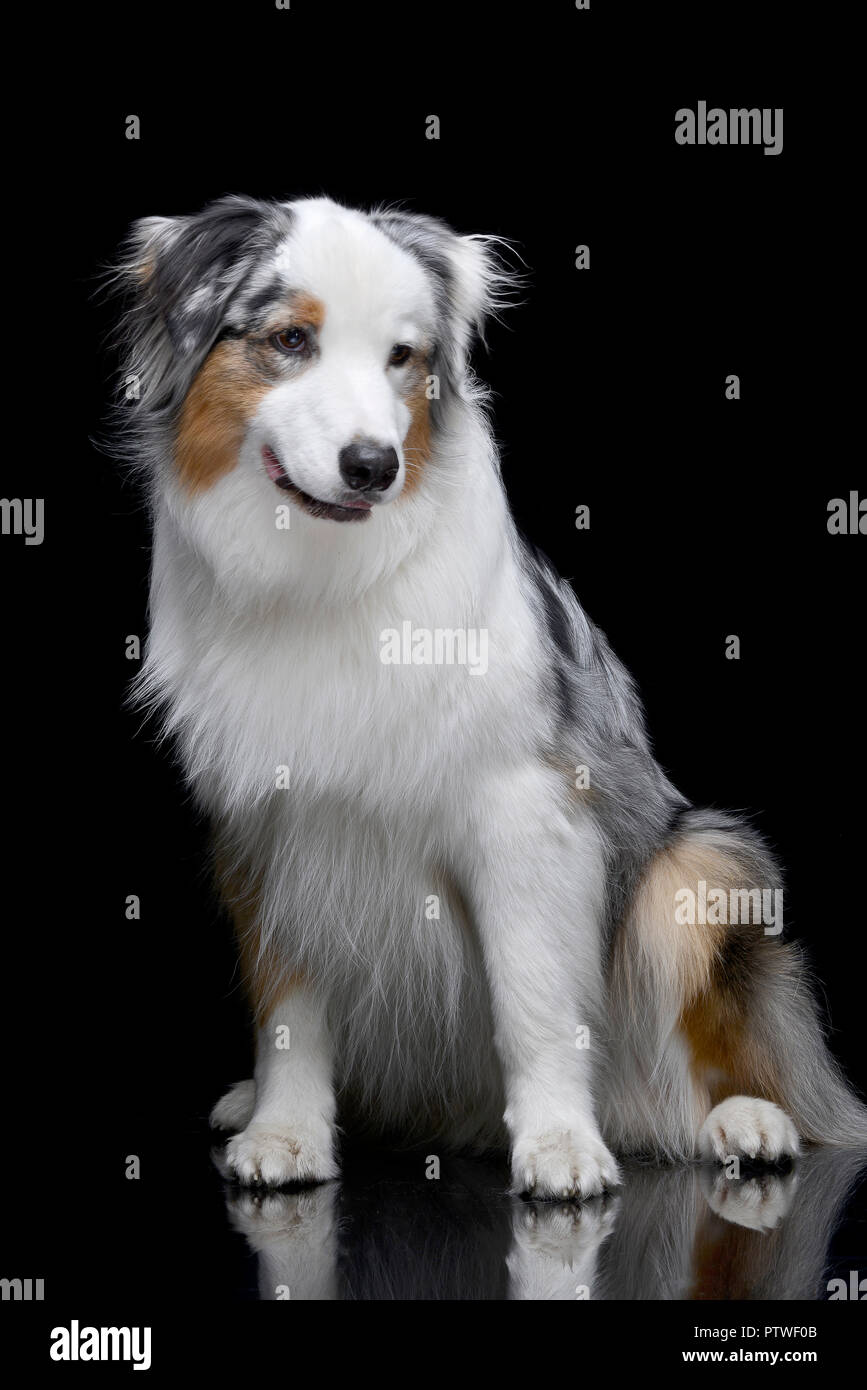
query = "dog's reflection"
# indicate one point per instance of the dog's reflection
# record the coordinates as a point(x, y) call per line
point(293, 1235)
point(669, 1233)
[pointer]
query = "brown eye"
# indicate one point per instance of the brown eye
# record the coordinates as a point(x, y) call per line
point(290, 340)
point(400, 353)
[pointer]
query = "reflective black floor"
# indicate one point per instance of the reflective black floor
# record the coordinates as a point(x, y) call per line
point(386, 1230)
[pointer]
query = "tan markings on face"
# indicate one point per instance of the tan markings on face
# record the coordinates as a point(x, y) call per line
point(306, 308)
point(298, 310)
point(417, 442)
point(227, 391)
point(267, 976)
point(219, 405)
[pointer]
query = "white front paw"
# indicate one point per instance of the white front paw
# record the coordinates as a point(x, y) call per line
point(744, 1127)
point(563, 1163)
point(275, 1155)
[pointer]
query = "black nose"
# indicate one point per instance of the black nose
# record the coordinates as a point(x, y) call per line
point(368, 467)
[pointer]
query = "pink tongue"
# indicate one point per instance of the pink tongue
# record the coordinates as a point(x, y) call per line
point(273, 466)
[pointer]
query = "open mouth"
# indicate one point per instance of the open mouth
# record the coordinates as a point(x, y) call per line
point(351, 511)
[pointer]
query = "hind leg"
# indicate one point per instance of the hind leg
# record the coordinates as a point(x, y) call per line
point(745, 1127)
point(718, 1039)
point(234, 1110)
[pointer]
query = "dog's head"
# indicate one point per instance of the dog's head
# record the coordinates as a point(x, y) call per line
point(306, 351)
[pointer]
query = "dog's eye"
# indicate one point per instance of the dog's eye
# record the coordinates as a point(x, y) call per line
point(400, 353)
point(290, 340)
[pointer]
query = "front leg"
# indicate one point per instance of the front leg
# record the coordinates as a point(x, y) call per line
point(290, 1136)
point(538, 894)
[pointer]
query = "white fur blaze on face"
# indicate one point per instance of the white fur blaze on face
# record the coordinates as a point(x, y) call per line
point(356, 386)
point(342, 398)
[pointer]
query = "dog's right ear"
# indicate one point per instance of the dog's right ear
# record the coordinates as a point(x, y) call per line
point(179, 277)
point(185, 271)
point(149, 239)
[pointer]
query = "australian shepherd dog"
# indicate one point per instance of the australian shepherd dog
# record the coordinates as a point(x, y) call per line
point(471, 909)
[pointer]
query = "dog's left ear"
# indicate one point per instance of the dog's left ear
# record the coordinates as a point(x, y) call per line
point(482, 283)
point(474, 281)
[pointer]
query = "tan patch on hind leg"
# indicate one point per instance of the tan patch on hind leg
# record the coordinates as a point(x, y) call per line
point(697, 978)
point(681, 954)
point(715, 1012)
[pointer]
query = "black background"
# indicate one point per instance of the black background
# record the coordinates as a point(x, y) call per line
point(708, 516)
